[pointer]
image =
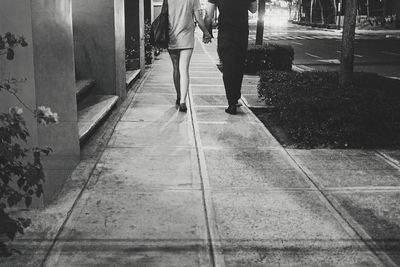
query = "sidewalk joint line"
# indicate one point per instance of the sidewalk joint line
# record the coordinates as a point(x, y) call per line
point(155, 146)
point(206, 85)
point(388, 159)
point(262, 148)
point(314, 56)
point(390, 53)
point(160, 93)
point(363, 189)
point(214, 239)
point(215, 258)
point(345, 220)
point(208, 94)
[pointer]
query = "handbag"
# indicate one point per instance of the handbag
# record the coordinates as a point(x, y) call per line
point(159, 32)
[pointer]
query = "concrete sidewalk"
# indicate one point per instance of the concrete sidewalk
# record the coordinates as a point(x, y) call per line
point(202, 189)
point(210, 189)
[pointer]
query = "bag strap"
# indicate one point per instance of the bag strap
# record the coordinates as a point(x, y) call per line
point(164, 8)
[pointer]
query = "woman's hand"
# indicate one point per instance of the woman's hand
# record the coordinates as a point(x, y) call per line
point(207, 37)
point(206, 34)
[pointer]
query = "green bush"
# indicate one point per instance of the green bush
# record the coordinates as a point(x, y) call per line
point(148, 48)
point(269, 57)
point(397, 23)
point(315, 112)
point(21, 170)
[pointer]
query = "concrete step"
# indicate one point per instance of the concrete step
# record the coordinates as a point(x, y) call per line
point(92, 111)
point(131, 76)
point(83, 88)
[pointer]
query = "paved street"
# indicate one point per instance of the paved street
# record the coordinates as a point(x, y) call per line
point(319, 49)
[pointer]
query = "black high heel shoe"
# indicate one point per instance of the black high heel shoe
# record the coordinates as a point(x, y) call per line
point(182, 107)
point(178, 100)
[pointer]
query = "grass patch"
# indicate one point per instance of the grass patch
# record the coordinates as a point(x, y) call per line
point(312, 111)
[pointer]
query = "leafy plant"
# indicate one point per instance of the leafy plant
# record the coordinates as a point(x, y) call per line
point(21, 171)
point(269, 57)
point(130, 48)
point(8, 42)
point(315, 112)
point(148, 48)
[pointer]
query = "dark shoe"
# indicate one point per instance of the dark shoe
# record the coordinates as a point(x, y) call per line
point(231, 110)
point(178, 100)
point(238, 105)
point(182, 107)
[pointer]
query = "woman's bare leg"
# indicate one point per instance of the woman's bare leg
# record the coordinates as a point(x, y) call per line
point(184, 61)
point(175, 55)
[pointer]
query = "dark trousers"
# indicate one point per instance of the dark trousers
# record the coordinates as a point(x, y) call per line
point(232, 49)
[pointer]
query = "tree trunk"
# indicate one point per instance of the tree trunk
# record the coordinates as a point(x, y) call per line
point(322, 12)
point(311, 11)
point(260, 22)
point(335, 6)
point(385, 8)
point(299, 5)
point(347, 58)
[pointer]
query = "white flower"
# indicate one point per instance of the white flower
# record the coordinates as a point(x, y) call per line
point(55, 116)
point(15, 111)
point(45, 116)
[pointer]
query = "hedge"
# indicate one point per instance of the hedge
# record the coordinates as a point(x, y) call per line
point(269, 57)
point(315, 112)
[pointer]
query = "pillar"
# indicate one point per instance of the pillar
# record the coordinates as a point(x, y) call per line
point(148, 10)
point(157, 6)
point(47, 63)
point(99, 36)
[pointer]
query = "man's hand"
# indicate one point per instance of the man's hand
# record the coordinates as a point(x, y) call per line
point(253, 7)
point(210, 10)
point(207, 36)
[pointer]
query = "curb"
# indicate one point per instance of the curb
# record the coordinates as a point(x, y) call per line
point(330, 28)
point(303, 68)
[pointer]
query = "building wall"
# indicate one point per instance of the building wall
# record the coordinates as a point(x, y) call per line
point(148, 10)
point(134, 26)
point(395, 8)
point(98, 31)
point(55, 71)
point(68, 40)
point(48, 65)
point(21, 67)
point(94, 41)
point(55, 82)
point(157, 7)
point(120, 70)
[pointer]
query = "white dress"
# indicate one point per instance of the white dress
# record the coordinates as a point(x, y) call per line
point(181, 23)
